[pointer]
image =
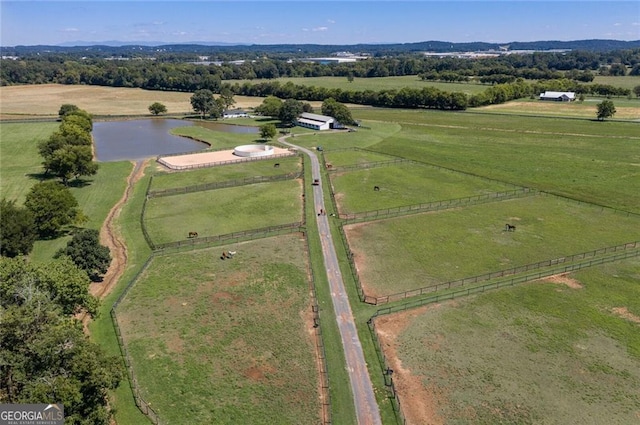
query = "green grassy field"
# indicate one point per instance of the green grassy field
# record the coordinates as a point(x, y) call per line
point(596, 162)
point(353, 157)
point(403, 185)
point(217, 139)
point(203, 176)
point(591, 161)
point(223, 211)
point(406, 253)
point(20, 162)
point(627, 82)
point(225, 342)
point(376, 84)
point(532, 354)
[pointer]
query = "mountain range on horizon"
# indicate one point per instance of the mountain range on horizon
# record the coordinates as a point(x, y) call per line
point(435, 45)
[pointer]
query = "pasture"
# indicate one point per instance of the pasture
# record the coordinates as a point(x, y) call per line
point(625, 109)
point(225, 342)
point(405, 184)
point(21, 163)
point(223, 211)
point(375, 84)
point(593, 161)
point(587, 160)
point(202, 176)
point(541, 352)
point(411, 252)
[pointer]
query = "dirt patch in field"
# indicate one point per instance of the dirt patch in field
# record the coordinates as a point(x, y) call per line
point(420, 402)
point(626, 314)
point(564, 279)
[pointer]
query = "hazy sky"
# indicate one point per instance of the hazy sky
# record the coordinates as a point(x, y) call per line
point(320, 22)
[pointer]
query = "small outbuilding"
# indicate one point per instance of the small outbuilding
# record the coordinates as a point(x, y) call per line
point(235, 113)
point(558, 96)
point(315, 121)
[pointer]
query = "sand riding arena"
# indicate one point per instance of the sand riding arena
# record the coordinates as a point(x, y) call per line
point(243, 153)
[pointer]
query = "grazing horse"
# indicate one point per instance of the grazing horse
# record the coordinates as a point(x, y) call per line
point(276, 165)
point(228, 255)
point(193, 234)
point(509, 227)
point(376, 188)
point(329, 166)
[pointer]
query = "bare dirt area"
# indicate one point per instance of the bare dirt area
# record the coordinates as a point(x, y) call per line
point(564, 279)
point(420, 402)
point(44, 100)
point(206, 158)
point(626, 314)
point(110, 237)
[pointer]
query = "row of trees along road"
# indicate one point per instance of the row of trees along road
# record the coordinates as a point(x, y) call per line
point(44, 355)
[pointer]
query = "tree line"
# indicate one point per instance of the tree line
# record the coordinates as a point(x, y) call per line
point(45, 356)
point(177, 73)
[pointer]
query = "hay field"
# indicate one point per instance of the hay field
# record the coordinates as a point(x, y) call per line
point(33, 101)
point(625, 109)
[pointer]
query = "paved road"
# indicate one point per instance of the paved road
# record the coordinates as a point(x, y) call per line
point(367, 412)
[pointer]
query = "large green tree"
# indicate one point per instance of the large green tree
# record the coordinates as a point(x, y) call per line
point(202, 101)
point(67, 108)
point(337, 110)
point(290, 111)
point(606, 109)
point(226, 98)
point(53, 207)
point(63, 282)
point(269, 107)
point(157, 108)
point(44, 353)
point(87, 253)
point(268, 131)
point(17, 229)
point(67, 152)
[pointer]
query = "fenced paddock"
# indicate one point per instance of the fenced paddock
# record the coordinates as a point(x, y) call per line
point(408, 253)
point(539, 352)
point(403, 183)
point(223, 211)
point(215, 341)
point(163, 180)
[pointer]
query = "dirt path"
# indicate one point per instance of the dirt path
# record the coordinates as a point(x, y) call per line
point(110, 237)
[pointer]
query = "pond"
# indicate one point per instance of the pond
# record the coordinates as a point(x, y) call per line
point(139, 139)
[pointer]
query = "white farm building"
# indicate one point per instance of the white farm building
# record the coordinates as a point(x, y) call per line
point(235, 113)
point(558, 96)
point(315, 121)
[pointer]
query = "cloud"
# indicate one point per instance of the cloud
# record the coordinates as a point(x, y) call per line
point(617, 24)
point(331, 21)
point(316, 29)
point(70, 30)
point(636, 24)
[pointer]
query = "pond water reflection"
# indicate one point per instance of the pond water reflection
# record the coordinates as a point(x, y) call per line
point(138, 139)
